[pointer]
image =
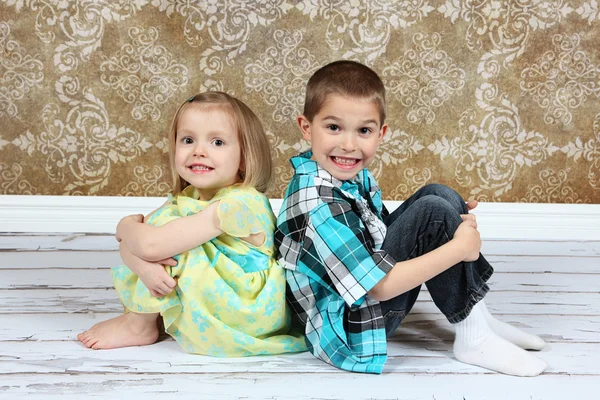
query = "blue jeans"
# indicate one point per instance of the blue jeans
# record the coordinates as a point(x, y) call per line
point(424, 222)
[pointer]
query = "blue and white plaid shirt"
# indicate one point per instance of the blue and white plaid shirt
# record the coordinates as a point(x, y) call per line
point(329, 236)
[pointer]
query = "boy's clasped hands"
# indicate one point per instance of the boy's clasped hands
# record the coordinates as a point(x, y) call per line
point(468, 234)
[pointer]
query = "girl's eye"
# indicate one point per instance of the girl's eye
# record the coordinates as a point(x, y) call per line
point(218, 142)
point(333, 128)
point(187, 140)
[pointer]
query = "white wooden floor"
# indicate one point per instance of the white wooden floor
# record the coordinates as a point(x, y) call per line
point(54, 286)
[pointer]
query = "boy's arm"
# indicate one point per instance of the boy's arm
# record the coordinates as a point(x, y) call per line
point(355, 269)
point(155, 243)
point(409, 274)
point(340, 243)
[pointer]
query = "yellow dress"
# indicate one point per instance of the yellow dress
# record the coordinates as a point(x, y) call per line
point(230, 295)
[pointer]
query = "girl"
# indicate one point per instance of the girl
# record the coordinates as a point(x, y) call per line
point(225, 294)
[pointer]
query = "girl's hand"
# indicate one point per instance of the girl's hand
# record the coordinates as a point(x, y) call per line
point(468, 236)
point(168, 261)
point(152, 274)
point(156, 279)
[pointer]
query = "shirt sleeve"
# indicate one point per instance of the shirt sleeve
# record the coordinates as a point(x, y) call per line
point(237, 219)
point(346, 251)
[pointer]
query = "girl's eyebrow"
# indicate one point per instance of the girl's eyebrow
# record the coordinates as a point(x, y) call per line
point(191, 132)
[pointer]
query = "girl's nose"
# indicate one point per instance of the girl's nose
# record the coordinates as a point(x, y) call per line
point(199, 151)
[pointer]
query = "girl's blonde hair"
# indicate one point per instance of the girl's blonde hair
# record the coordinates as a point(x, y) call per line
point(256, 163)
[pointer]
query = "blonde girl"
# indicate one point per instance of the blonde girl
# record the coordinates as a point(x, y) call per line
point(204, 261)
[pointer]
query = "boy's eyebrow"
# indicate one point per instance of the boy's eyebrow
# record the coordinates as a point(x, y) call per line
point(371, 121)
point(365, 122)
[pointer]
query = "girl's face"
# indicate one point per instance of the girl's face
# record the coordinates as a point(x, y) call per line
point(207, 150)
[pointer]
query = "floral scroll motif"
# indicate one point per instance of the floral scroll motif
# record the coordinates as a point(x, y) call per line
point(281, 73)
point(149, 181)
point(424, 78)
point(79, 24)
point(503, 28)
point(19, 72)
point(144, 74)
point(562, 79)
point(367, 25)
point(589, 151)
point(552, 189)
point(491, 153)
point(84, 144)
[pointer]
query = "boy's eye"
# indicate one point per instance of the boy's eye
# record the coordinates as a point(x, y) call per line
point(333, 128)
point(365, 131)
point(218, 142)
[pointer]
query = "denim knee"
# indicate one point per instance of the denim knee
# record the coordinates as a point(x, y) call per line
point(449, 194)
point(438, 208)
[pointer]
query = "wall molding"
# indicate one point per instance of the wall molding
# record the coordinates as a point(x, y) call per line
point(97, 214)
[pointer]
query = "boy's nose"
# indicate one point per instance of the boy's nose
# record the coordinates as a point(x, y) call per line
point(348, 143)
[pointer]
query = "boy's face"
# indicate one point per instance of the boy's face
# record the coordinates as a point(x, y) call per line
point(344, 135)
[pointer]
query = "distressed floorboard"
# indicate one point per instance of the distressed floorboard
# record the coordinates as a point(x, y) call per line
point(54, 286)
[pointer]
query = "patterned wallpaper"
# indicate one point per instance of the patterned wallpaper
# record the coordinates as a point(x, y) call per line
point(499, 99)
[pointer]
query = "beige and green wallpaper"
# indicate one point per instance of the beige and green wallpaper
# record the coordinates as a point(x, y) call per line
point(499, 99)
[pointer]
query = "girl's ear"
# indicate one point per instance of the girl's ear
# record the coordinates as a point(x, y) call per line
point(304, 125)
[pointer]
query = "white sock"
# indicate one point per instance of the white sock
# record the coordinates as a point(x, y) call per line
point(477, 344)
point(514, 335)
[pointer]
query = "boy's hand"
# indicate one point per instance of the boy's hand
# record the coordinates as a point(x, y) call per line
point(468, 236)
point(471, 205)
point(469, 217)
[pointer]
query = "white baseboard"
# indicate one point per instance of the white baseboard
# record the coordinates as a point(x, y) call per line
point(94, 214)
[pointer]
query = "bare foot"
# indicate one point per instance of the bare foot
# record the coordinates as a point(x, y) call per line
point(129, 329)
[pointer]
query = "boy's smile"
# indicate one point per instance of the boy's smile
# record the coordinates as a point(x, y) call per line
point(344, 135)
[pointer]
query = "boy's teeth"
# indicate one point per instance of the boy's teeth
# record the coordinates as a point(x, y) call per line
point(344, 161)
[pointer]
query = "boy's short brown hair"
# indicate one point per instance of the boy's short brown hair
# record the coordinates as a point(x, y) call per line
point(345, 78)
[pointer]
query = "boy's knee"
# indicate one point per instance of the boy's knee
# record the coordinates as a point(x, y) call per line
point(448, 194)
point(437, 208)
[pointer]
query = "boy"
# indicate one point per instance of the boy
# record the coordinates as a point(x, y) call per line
point(354, 271)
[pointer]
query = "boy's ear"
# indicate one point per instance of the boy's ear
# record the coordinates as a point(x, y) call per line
point(382, 133)
point(304, 125)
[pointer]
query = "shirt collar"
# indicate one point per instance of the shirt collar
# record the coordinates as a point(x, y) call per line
point(364, 180)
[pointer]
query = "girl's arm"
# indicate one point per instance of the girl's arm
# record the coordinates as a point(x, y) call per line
point(153, 275)
point(155, 243)
point(409, 274)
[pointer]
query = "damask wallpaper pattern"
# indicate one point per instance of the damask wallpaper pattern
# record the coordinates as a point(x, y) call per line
point(499, 99)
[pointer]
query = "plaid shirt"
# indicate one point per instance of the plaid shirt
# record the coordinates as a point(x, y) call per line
point(329, 236)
